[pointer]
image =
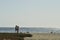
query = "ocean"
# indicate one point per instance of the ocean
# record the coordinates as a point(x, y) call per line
point(30, 30)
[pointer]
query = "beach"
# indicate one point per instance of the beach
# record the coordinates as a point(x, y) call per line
point(30, 36)
point(44, 36)
point(37, 34)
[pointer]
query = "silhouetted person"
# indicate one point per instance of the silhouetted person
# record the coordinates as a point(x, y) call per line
point(17, 28)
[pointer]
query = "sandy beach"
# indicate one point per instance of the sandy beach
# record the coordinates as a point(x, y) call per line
point(44, 36)
point(35, 36)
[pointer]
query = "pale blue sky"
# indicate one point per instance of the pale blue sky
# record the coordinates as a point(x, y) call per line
point(38, 13)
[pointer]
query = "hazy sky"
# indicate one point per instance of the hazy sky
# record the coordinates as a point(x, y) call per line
point(38, 13)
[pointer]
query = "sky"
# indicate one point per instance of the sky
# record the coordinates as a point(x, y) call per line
point(30, 13)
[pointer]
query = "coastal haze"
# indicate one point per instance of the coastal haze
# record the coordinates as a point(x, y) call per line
point(30, 13)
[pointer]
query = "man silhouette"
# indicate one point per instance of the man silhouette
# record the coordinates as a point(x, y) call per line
point(17, 28)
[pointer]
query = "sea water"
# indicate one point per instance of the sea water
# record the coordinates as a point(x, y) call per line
point(31, 30)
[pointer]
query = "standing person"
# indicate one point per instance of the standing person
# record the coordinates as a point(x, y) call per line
point(17, 28)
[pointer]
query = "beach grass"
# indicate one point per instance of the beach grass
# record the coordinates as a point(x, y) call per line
point(14, 36)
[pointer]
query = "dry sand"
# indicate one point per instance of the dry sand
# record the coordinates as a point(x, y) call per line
point(44, 36)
